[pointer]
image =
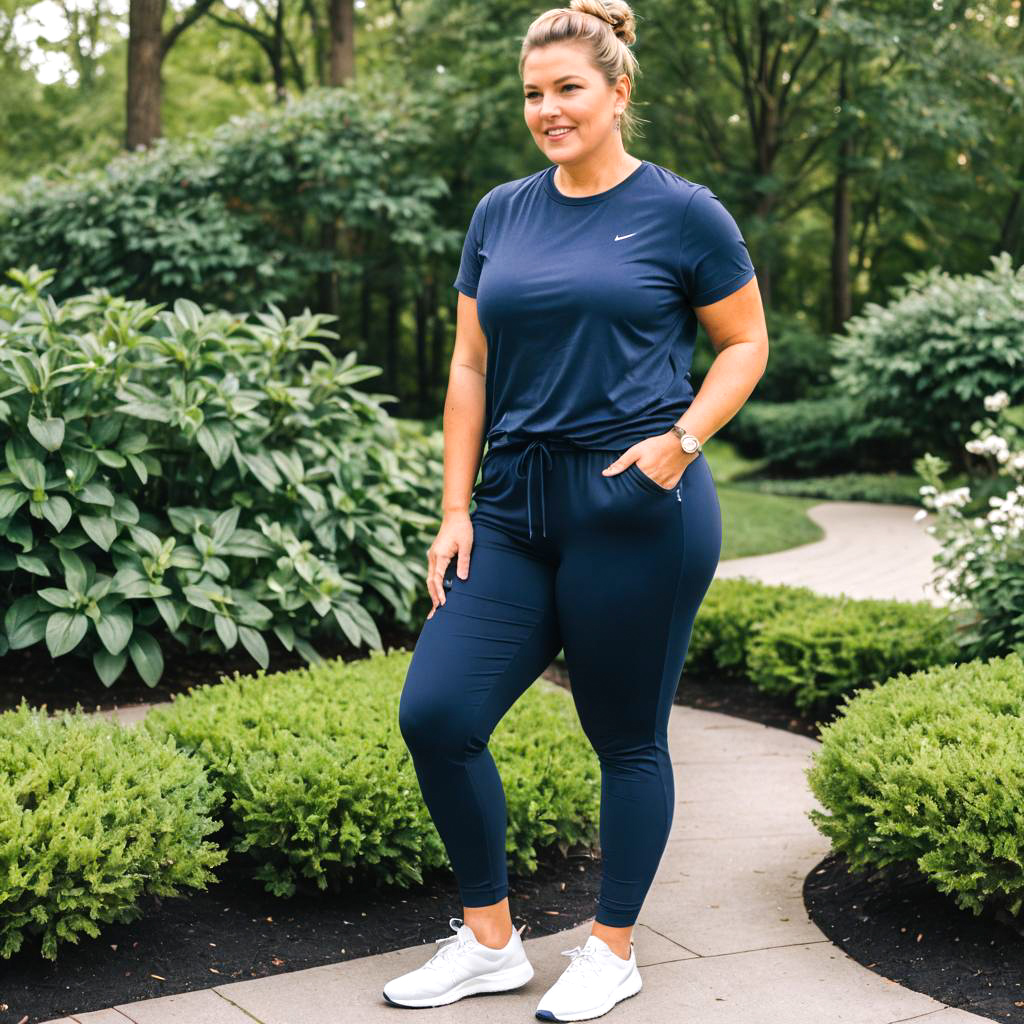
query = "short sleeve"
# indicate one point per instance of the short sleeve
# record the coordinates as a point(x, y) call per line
point(713, 257)
point(469, 268)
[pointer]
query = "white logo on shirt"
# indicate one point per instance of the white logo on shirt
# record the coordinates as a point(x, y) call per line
point(619, 238)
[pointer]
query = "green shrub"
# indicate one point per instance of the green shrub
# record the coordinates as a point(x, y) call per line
point(928, 769)
point(886, 488)
point(730, 616)
point(815, 654)
point(233, 217)
point(197, 473)
point(926, 359)
point(818, 436)
point(321, 785)
point(93, 816)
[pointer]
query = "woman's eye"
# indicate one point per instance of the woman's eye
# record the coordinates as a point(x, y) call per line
point(571, 85)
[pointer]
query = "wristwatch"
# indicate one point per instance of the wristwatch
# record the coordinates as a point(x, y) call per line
point(688, 442)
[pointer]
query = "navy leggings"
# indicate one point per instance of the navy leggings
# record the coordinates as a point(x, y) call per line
point(610, 569)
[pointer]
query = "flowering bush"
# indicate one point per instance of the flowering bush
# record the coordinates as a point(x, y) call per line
point(981, 566)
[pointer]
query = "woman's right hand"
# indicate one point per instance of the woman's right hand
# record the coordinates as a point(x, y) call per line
point(455, 537)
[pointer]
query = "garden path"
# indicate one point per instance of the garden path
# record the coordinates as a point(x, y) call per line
point(869, 549)
point(723, 937)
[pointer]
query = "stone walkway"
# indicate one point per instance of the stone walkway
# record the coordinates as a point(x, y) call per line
point(869, 550)
point(723, 937)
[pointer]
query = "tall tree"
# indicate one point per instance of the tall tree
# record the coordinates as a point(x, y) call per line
point(148, 45)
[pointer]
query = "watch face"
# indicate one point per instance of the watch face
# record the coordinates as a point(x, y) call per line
point(689, 445)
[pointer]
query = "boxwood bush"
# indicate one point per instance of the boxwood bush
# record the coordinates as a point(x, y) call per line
point(810, 648)
point(928, 769)
point(198, 474)
point(730, 616)
point(814, 654)
point(885, 488)
point(93, 817)
point(321, 787)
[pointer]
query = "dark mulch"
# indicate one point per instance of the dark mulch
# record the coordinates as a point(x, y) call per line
point(898, 925)
point(891, 921)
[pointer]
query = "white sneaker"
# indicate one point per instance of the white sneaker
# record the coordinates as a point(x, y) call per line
point(462, 967)
point(592, 984)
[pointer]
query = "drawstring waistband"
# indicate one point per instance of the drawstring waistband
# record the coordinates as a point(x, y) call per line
point(524, 468)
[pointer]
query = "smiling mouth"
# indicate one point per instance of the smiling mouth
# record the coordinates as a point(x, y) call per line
point(558, 133)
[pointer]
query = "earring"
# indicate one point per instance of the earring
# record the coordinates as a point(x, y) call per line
point(618, 121)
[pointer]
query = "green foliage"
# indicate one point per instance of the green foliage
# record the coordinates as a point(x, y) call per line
point(817, 436)
point(93, 816)
point(798, 364)
point(233, 218)
point(815, 654)
point(203, 474)
point(886, 488)
point(926, 359)
point(928, 769)
point(981, 562)
point(730, 616)
point(321, 786)
point(810, 648)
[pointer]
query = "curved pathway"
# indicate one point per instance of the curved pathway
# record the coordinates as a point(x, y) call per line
point(869, 549)
point(723, 937)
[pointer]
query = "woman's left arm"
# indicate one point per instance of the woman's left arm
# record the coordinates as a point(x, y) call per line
point(736, 327)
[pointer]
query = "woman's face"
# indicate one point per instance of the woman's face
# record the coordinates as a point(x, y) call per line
point(563, 90)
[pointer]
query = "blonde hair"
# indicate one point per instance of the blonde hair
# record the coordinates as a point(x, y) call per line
point(606, 29)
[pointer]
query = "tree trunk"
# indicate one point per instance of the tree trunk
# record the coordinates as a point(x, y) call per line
point(143, 95)
point(341, 17)
point(841, 217)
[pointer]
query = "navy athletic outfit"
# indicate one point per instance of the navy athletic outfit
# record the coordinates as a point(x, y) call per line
point(587, 307)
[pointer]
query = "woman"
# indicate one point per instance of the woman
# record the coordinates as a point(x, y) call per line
point(597, 527)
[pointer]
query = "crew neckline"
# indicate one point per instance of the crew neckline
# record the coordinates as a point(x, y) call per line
point(597, 197)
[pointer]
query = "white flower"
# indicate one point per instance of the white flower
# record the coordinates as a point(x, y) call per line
point(1000, 400)
point(920, 514)
point(956, 498)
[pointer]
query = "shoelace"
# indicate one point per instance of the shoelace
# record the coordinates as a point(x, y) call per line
point(584, 958)
point(443, 956)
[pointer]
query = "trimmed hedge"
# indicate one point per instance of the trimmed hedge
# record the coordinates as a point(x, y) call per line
point(732, 612)
point(808, 647)
point(320, 784)
point(93, 816)
point(928, 769)
point(886, 488)
point(816, 654)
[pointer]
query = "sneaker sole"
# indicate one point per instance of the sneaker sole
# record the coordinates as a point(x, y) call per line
point(628, 988)
point(497, 981)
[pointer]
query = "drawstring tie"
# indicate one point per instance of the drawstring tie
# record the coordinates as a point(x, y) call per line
point(526, 459)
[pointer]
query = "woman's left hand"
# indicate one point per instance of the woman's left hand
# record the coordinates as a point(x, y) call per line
point(659, 457)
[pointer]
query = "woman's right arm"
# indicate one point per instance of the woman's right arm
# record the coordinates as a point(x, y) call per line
point(464, 415)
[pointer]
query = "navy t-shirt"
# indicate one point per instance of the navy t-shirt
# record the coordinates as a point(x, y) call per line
point(587, 302)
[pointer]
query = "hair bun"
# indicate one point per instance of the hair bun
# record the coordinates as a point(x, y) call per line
point(616, 13)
